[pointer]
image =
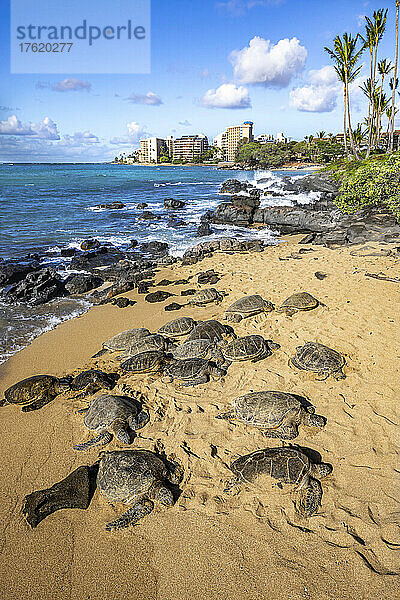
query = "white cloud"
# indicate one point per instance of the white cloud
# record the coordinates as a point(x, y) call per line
point(272, 65)
point(227, 96)
point(136, 132)
point(238, 7)
point(320, 94)
point(360, 20)
point(150, 98)
point(46, 129)
point(80, 138)
point(71, 85)
point(204, 74)
point(185, 123)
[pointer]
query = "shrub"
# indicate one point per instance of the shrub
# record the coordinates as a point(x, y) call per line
point(375, 181)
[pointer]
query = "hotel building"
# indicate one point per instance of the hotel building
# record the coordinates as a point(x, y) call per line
point(189, 147)
point(228, 141)
point(150, 149)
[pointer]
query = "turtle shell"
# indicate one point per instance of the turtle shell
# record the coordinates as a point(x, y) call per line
point(154, 341)
point(245, 348)
point(288, 465)
point(266, 409)
point(211, 330)
point(192, 349)
point(300, 301)
point(318, 358)
point(124, 339)
point(250, 305)
point(145, 362)
point(104, 409)
point(178, 327)
point(190, 368)
point(93, 376)
point(128, 475)
point(28, 390)
point(205, 296)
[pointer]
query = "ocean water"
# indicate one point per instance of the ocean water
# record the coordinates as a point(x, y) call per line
point(46, 207)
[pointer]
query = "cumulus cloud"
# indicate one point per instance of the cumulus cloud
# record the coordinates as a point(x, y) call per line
point(228, 95)
point(71, 85)
point(45, 129)
point(320, 94)
point(80, 138)
point(135, 133)
point(150, 98)
point(272, 65)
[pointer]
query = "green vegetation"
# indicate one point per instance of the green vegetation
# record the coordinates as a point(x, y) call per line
point(254, 154)
point(372, 181)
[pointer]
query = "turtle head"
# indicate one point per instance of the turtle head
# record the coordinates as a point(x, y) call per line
point(321, 470)
point(121, 430)
point(313, 420)
point(164, 496)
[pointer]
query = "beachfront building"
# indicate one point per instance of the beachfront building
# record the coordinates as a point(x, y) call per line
point(265, 138)
point(228, 141)
point(151, 149)
point(188, 147)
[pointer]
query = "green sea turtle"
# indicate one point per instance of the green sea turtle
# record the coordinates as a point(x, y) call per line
point(34, 392)
point(192, 371)
point(199, 349)
point(247, 307)
point(206, 296)
point(110, 415)
point(135, 477)
point(178, 327)
point(154, 341)
point(289, 465)
point(122, 341)
point(296, 302)
point(151, 361)
point(277, 414)
point(212, 330)
point(320, 359)
point(249, 347)
point(93, 380)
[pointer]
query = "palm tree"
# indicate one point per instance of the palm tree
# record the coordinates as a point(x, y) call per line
point(358, 135)
point(346, 55)
point(374, 31)
point(321, 134)
point(384, 68)
point(393, 111)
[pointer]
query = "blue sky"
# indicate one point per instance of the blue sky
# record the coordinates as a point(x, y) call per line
point(214, 63)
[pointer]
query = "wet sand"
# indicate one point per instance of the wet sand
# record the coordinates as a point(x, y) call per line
point(212, 545)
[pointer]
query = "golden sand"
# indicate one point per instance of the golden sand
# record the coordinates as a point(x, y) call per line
point(211, 545)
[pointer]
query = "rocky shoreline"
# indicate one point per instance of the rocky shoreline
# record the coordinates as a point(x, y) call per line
point(101, 272)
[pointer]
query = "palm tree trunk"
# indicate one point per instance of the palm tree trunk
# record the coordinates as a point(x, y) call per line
point(344, 121)
point(353, 147)
point(379, 115)
point(370, 107)
point(390, 145)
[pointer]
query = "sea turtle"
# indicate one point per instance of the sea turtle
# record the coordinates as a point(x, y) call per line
point(178, 327)
point(108, 415)
point(249, 347)
point(154, 341)
point(296, 302)
point(199, 349)
point(320, 359)
point(122, 341)
point(145, 362)
point(277, 414)
point(212, 330)
point(135, 477)
point(203, 297)
point(192, 371)
point(247, 307)
point(288, 465)
point(93, 380)
point(34, 392)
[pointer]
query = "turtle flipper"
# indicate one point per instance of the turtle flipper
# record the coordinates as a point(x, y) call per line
point(309, 498)
point(230, 414)
point(4, 402)
point(100, 440)
point(131, 516)
point(100, 353)
point(284, 432)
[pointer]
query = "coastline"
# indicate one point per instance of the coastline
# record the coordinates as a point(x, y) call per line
point(233, 167)
point(210, 546)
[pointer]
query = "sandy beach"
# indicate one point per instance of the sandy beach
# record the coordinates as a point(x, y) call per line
point(211, 545)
